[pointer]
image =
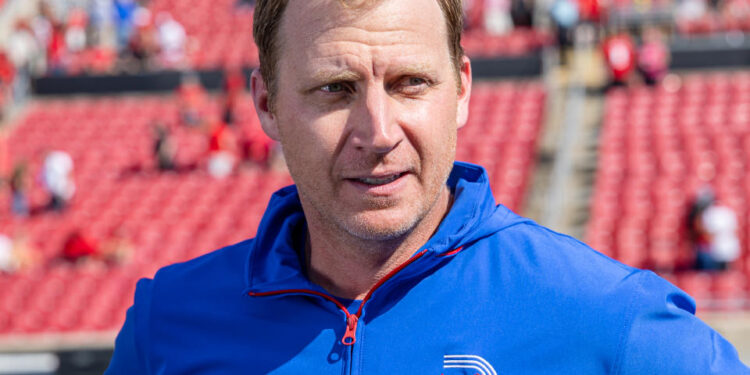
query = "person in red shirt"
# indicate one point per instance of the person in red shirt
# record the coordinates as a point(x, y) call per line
point(78, 248)
point(221, 151)
point(57, 53)
point(7, 74)
point(7, 70)
point(590, 11)
point(620, 57)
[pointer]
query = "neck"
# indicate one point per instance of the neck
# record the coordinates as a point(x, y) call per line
point(349, 267)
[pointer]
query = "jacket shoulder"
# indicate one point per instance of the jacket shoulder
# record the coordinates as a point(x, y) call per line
point(222, 267)
point(551, 250)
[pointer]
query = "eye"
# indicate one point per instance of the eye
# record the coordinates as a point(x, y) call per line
point(413, 85)
point(334, 87)
point(415, 81)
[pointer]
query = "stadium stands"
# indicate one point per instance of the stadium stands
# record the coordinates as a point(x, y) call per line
point(726, 16)
point(504, 126)
point(171, 217)
point(220, 36)
point(657, 147)
point(223, 34)
point(175, 216)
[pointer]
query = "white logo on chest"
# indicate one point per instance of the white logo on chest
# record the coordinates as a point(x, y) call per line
point(467, 361)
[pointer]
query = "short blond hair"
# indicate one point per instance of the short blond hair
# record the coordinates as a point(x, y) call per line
point(267, 20)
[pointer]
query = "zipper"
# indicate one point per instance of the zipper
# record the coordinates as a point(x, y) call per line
point(350, 334)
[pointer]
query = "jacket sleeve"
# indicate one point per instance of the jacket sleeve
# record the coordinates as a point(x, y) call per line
point(665, 337)
point(130, 355)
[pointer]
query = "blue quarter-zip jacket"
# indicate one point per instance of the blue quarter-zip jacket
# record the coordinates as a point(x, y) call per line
point(489, 293)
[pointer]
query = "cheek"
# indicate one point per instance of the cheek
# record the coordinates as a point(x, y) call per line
point(309, 143)
point(432, 129)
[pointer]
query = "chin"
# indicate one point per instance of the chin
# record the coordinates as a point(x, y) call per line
point(380, 226)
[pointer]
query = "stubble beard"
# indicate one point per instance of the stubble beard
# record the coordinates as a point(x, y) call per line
point(359, 226)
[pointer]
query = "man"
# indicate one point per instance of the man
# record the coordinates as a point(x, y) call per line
point(386, 258)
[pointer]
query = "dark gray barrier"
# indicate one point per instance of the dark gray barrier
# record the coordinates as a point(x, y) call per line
point(126, 83)
point(508, 67)
point(726, 50)
point(83, 362)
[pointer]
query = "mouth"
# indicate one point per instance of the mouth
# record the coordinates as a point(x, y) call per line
point(379, 180)
point(380, 185)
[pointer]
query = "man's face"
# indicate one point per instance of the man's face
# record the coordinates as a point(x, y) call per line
point(366, 110)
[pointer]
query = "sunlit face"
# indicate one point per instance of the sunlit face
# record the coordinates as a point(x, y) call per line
point(367, 110)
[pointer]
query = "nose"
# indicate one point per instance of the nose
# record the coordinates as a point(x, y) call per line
point(374, 125)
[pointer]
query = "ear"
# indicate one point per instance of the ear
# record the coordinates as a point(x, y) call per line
point(259, 91)
point(462, 114)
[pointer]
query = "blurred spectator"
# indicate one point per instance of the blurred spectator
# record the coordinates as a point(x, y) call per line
point(7, 71)
point(653, 56)
point(41, 24)
point(234, 85)
point(101, 17)
point(143, 44)
point(172, 38)
point(497, 16)
point(221, 151)
point(75, 31)
point(79, 248)
point(7, 258)
point(57, 179)
point(255, 145)
point(118, 248)
point(690, 10)
point(522, 13)
point(191, 98)
point(165, 148)
point(125, 11)
point(713, 232)
point(619, 56)
point(590, 11)
point(19, 184)
point(57, 53)
point(17, 254)
point(22, 50)
point(473, 14)
point(7, 76)
point(564, 15)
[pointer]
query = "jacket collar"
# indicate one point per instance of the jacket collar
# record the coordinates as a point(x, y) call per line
point(275, 260)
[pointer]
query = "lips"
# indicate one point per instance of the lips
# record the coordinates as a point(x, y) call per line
point(378, 184)
point(378, 180)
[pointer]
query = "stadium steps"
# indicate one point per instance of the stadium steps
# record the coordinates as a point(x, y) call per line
point(560, 191)
point(554, 79)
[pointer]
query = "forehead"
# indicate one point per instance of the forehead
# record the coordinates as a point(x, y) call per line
point(314, 29)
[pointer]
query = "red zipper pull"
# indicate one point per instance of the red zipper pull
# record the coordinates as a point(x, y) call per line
point(351, 330)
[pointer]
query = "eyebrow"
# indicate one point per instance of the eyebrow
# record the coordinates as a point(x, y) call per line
point(415, 69)
point(325, 76)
